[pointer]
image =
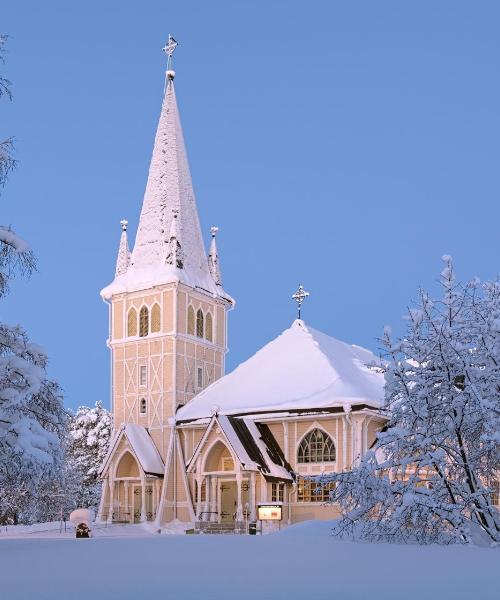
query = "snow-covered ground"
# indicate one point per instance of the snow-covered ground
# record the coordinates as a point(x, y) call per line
point(303, 561)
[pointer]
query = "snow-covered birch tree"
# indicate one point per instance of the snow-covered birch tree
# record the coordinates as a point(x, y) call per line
point(428, 477)
point(32, 417)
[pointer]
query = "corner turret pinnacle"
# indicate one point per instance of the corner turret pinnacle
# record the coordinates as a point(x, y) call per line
point(123, 259)
point(213, 259)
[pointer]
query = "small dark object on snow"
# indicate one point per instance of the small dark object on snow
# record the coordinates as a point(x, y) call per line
point(83, 531)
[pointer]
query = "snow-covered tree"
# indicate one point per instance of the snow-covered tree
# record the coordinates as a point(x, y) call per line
point(428, 476)
point(32, 417)
point(88, 443)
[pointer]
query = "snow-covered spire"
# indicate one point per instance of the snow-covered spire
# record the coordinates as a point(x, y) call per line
point(174, 248)
point(213, 258)
point(123, 259)
point(169, 188)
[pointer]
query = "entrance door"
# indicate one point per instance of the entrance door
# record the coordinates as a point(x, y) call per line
point(137, 503)
point(227, 501)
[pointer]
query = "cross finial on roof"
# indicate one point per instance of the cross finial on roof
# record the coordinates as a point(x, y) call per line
point(124, 224)
point(299, 297)
point(169, 50)
point(214, 230)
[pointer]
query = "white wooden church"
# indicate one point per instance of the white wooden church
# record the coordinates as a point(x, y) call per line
point(192, 444)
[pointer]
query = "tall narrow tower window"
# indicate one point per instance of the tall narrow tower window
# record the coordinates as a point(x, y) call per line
point(155, 318)
point(143, 407)
point(199, 323)
point(132, 322)
point(209, 327)
point(143, 322)
point(190, 320)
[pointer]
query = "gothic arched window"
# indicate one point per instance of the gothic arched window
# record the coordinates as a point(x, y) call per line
point(132, 322)
point(317, 446)
point(190, 320)
point(209, 327)
point(155, 318)
point(143, 322)
point(143, 406)
point(199, 323)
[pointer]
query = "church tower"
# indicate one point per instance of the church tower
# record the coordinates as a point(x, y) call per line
point(167, 321)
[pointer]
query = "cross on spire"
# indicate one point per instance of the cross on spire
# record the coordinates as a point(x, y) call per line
point(169, 50)
point(299, 297)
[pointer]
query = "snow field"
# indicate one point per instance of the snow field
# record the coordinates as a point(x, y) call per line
point(303, 561)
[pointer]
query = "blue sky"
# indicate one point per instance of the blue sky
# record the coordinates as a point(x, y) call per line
point(344, 145)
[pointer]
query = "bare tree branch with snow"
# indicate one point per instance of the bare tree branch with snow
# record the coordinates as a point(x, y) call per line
point(430, 474)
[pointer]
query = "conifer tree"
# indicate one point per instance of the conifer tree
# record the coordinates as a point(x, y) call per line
point(88, 443)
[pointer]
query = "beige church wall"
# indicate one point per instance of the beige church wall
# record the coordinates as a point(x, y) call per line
point(160, 437)
point(167, 321)
point(117, 308)
point(374, 427)
point(181, 312)
point(220, 333)
point(308, 511)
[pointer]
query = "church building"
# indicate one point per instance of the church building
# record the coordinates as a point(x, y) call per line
point(192, 444)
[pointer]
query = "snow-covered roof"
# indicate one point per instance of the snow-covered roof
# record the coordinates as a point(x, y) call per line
point(301, 369)
point(169, 206)
point(253, 445)
point(142, 446)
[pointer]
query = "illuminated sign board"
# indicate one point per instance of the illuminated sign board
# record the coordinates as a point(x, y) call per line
point(269, 512)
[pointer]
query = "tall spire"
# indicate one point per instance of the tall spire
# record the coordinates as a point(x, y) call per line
point(168, 246)
point(123, 258)
point(213, 258)
point(169, 190)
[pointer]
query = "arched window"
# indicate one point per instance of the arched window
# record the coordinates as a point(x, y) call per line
point(132, 322)
point(209, 327)
point(155, 318)
point(199, 323)
point(316, 447)
point(190, 320)
point(143, 322)
point(143, 406)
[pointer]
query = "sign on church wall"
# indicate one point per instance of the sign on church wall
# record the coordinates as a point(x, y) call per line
point(269, 512)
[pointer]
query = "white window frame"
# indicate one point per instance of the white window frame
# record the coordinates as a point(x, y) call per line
point(143, 370)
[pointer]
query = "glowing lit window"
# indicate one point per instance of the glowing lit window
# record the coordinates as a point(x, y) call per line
point(316, 447)
point(155, 318)
point(227, 463)
point(199, 323)
point(277, 492)
point(209, 328)
point(312, 491)
point(132, 322)
point(143, 322)
point(190, 320)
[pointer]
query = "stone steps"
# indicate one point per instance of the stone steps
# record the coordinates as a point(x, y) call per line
point(209, 527)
